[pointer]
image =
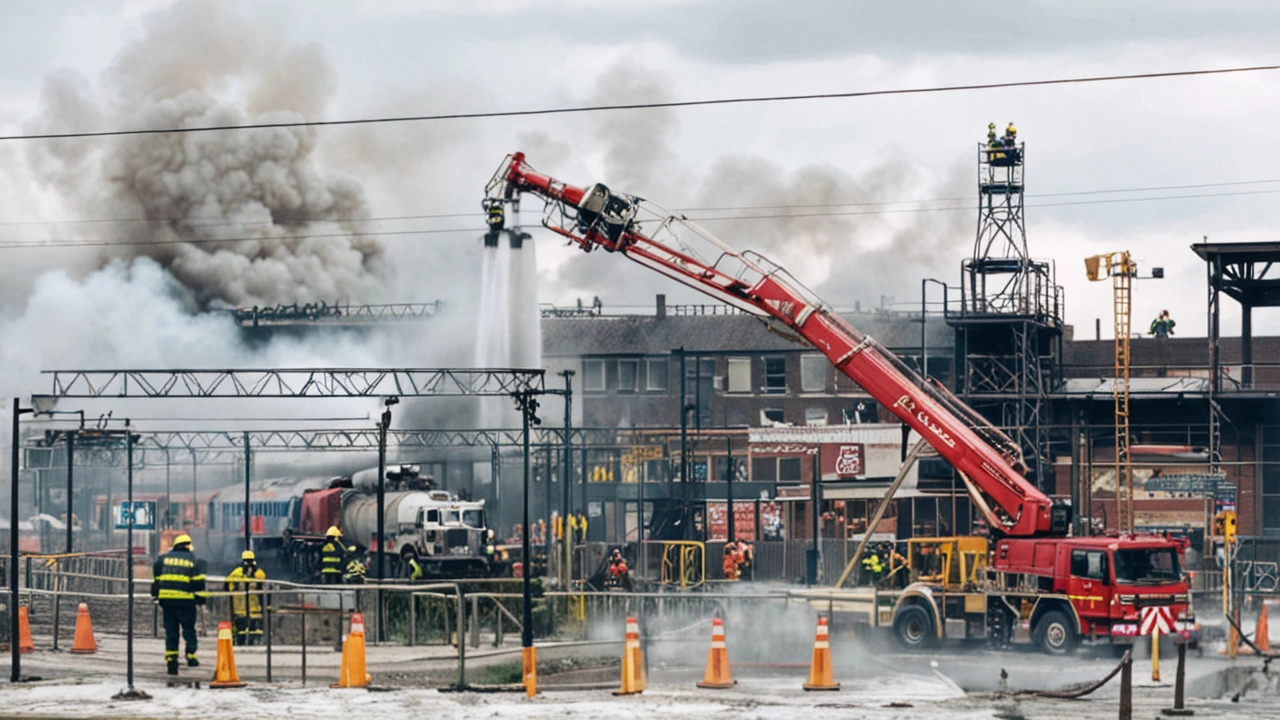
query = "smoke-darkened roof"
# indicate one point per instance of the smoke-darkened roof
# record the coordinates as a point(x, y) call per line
point(650, 335)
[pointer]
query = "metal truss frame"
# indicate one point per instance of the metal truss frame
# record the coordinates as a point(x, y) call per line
point(211, 446)
point(291, 383)
point(338, 313)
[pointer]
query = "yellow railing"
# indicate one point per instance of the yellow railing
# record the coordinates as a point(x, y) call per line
point(684, 563)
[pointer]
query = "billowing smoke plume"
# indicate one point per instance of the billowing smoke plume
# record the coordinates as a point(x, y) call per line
point(241, 217)
point(236, 217)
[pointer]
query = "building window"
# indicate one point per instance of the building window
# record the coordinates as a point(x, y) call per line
point(815, 416)
point(627, 370)
point(775, 374)
point(813, 373)
point(764, 469)
point(657, 375)
point(769, 416)
point(789, 469)
point(593, 375)
point(700, 385)
point(739, 375)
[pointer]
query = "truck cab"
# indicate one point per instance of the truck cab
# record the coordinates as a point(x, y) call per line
point(451, 537)
point(1106, 581)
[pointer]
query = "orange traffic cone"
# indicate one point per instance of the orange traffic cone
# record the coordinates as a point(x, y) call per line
point(1260, 635)
point(25, 645)
point(717, 675)
point(820, 677)
point(353, 674)
point(84, 632)
point(224, 675)
point(634, 681)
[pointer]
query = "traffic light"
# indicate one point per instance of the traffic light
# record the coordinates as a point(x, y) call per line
point(1224, 525)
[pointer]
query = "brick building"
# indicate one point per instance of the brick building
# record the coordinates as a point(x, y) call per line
point(739, 375)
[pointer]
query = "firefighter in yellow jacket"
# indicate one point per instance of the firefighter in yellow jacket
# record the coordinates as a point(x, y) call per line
point(246, 581)
point(333, 557)
point(178, 585)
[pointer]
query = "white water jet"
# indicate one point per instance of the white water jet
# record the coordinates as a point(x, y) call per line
point(508, 331)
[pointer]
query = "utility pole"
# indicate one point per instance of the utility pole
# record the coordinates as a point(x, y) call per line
point(567, 455)
point(383, 426)
point(128, 443)
point(528, 406)
point(728, 483)
point(248, 474)
point(71, 464)
point(815, 554)
point(684, 430)
point(15, 663)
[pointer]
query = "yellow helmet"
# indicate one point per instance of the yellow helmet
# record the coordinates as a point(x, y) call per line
point(1011, 129)
point(183, 539)
point(247, 555)
point(333, 532)
point(991, 126)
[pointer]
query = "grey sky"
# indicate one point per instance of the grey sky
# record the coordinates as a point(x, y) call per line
point(402, 57)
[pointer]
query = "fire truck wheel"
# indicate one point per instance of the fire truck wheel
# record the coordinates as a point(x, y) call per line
point(1055, 633)
point(914, 627)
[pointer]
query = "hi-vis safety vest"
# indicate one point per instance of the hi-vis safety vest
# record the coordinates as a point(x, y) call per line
point(238, 582)
point(331, 556)
point(873, 564)
point(178, 577)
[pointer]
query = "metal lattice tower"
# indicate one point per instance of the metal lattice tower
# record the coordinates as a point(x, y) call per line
point(1009, 322)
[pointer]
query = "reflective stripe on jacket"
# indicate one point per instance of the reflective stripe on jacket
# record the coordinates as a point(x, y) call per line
point(178, 577)
point(238, 581)
point(332, 555)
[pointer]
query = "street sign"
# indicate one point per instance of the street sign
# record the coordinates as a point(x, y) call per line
point(143, 513)
point(1156, 617)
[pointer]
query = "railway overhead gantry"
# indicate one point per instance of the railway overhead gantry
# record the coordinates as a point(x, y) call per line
point(385, 383)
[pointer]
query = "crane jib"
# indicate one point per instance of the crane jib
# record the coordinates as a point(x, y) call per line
point(759, 286)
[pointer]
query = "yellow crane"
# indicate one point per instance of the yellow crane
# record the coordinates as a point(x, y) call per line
point(1121, 268)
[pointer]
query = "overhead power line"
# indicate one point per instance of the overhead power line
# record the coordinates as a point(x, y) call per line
point(644, 106)
point(197, 223)
point(479, 229)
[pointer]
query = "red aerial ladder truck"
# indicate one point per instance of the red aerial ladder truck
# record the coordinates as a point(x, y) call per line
point(1034, 582)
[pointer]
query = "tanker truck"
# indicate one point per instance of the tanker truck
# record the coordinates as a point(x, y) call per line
point(447, 536)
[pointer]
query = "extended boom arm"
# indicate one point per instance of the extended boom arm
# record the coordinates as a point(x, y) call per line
point(596, 217)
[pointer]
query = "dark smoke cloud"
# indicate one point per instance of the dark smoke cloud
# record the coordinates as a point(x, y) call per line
point(636, 143)
point(263, 186)
point(844, 256)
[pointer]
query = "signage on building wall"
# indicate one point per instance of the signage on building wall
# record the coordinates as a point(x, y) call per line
point(782, 449)
point(142, 513)
point(1210, 484)
point(641, 453)
point(744, 520)
point(793, 492)
point(843, 461)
